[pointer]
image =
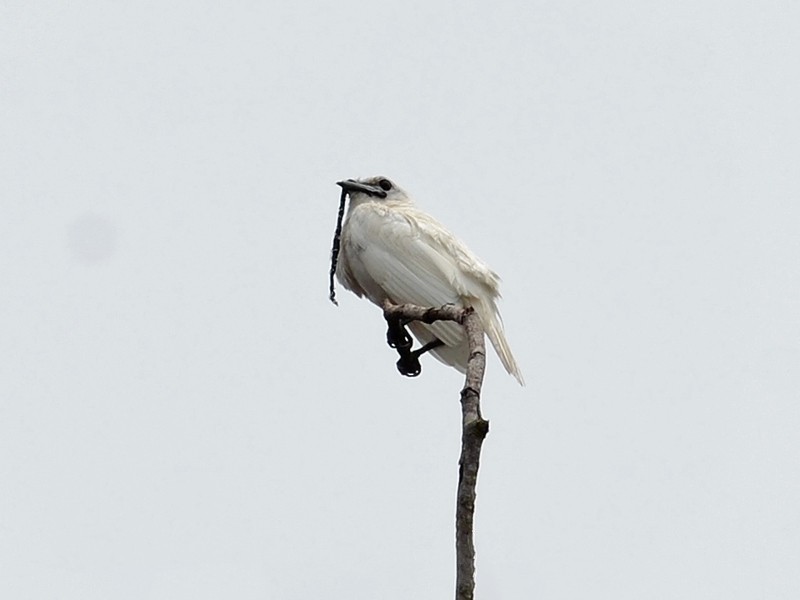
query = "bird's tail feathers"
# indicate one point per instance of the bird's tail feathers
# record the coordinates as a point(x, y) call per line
point(493, 325)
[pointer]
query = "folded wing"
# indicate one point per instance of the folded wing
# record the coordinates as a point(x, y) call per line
point(408, 257)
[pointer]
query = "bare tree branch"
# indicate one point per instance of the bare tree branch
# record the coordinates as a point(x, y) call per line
point(473, 431)
point(411, 312)
point(473, 426)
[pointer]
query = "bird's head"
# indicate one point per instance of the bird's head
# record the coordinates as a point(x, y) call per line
point(376, 189)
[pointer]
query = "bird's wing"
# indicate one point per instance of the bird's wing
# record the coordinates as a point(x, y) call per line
point(478, 287)
point(406, 256)
point(410, 258)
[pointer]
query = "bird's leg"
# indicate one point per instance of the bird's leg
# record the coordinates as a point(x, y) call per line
point(429, 346)
point(397, 336)
point(409, 364)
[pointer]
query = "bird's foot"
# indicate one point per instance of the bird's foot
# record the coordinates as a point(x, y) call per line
point(397, 336)
point(409, 364)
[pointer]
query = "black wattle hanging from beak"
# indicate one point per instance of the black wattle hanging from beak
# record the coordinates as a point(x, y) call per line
point(336, 242)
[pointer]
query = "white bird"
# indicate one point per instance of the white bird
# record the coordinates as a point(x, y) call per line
point(391, 250)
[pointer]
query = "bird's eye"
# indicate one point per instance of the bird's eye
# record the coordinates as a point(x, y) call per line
point(385, 184)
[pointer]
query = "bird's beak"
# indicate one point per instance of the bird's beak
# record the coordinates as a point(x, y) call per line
point(351, 185)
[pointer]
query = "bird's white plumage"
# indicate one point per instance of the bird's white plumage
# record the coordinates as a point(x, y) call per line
point(391, 250)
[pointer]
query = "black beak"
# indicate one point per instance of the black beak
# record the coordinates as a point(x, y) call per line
point(351, 185)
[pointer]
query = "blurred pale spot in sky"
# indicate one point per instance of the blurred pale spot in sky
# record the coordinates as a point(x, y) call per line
point(91, 238)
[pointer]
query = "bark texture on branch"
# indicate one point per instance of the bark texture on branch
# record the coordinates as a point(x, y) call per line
point(473, 429)
point(411, 312)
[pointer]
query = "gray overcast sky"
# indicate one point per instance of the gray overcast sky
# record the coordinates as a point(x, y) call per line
point(183, 414)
